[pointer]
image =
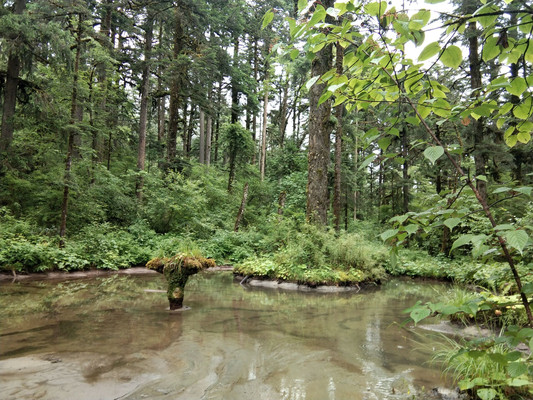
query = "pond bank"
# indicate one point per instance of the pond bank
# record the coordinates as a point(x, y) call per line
point(91, 273)
point(111, 337)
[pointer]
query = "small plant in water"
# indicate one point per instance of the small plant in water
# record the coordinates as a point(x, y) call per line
point(177, 270)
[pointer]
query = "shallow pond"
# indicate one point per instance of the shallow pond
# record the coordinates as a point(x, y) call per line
point(112, 338)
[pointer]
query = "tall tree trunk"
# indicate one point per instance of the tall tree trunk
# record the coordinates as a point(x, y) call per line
point(102, 116)
point(319, 141)
point(264, 131)
point(190, 130)
point(338, 147)
point(242, 207)
point(281, 202)
point(161, 102)
point(208, 135)
point(202, 136)
point(381, 180)
point(71, 135)
point(94, 130)
point(283, 109)
point(175, 86)
point(480, 158)
point(145, 91)
point(10, 92)
point(518, 152)
point(185, 124)
point(217, 120)
point(356, 168)
point(405, 172)
point(161, 111)
point(256, 75)
point(234, 88)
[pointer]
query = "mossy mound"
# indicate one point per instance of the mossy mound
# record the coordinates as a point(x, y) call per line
point(193, 264)
point(177, 270)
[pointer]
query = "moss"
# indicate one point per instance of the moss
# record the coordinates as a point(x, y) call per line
point(157, 264)
point(177, 270)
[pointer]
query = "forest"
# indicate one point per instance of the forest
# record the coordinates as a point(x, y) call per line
point(320, 142)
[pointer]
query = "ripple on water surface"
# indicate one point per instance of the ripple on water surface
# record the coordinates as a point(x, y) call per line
point(111, 337)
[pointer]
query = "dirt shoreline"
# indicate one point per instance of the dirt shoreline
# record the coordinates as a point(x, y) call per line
point(91, 273)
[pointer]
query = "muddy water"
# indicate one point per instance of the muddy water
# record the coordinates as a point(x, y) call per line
point(111, 338)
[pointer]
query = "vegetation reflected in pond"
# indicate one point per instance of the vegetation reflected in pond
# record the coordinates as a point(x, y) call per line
point(236, 342)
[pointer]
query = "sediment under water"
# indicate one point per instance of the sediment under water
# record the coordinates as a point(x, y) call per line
point(112, 338)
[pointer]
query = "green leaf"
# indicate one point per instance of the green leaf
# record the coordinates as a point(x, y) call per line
point(388, 234)
point(367, 161)
point(294, 54)
point(527, 289)
point(419, 313)
point(376, 9)
point(491, 49)
point(527, 190)
point(503, 227)
point(523, 110)
point(334, 12)
point(302, 4)
point(462, 240)
point(267, 19)
point(486, 394)
point(511, 140)
point(318, 15)
point(384, 142)
point(429, 51)
point(433, 153)
point(423, 16)
point(325, 96)
point(311, 82)
point(519, 382)
point(452, 222)
point(501, 190)
point(517, 87)
point(452, 56)
point(411, 228)
point(517, 239)
point(339, 100)
point(516, 369)
point(523, 137)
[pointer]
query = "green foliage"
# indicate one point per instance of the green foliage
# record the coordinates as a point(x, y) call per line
point(492, 275)
point(307, 254)
point(238, 146)
point(491, 367)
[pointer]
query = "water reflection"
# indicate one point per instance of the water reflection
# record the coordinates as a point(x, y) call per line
point(115, 337)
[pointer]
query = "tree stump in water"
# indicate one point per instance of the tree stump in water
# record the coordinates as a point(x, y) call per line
point(177, 270)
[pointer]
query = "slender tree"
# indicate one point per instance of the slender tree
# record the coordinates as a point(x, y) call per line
point(320, 128)
point(11, 85)
point(145, 89)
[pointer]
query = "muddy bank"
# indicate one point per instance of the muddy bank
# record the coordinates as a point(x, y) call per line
point(465, 331)
point(81, 376)
point(92, 273)
point(292, 286)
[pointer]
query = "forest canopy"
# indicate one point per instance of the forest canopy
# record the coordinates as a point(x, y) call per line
point(211, 121)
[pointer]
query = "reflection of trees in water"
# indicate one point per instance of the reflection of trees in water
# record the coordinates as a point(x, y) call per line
point(115, 314)
point(111, 315)
point(357, 328)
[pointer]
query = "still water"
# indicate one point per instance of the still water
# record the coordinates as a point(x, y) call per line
point(112, 338)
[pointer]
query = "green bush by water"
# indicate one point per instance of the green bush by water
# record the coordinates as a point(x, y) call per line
point(307, 254)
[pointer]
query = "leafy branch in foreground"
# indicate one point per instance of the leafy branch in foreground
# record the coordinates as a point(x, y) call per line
point(378, 73)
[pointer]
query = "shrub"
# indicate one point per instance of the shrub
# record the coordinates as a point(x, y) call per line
point(308, 254)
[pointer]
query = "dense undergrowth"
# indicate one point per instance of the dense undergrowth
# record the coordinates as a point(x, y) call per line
point(192, 211)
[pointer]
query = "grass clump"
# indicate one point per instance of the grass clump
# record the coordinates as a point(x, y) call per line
point(309, 255)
